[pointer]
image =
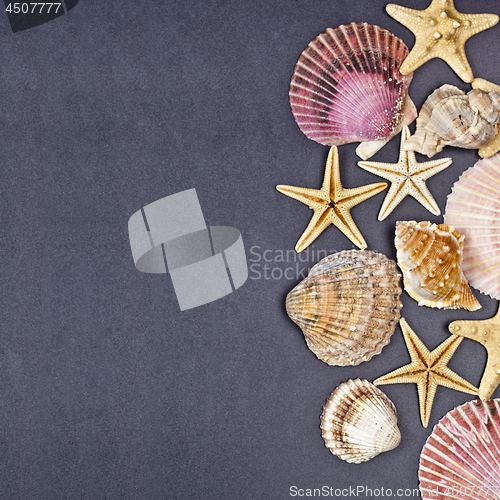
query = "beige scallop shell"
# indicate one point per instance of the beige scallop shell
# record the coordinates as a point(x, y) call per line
point(430, 257)
point(348, 306)
point(359, 422)
point(451, 117)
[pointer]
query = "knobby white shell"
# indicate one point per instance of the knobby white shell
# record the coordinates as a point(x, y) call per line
point(430, 257)
point(359, 421)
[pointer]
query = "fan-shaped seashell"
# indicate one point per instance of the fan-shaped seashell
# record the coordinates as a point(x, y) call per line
point(359, 421)
point(430, 257)
point(347, 87)
point(348, 306)
point(451, 117)
point(461, 458)
point(473, 207)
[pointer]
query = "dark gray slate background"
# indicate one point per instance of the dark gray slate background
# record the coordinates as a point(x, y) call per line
point(107, 389)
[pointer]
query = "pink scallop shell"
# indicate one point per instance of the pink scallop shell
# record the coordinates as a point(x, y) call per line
point(461, 458)
point(347, 87)
point(473, 208)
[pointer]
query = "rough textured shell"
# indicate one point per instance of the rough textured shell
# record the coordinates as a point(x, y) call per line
point(430, 257)
point(347, 87)
point(451, 117)
point(348, 306)
point(473, 207)
point(359, 421)
point(461, 458)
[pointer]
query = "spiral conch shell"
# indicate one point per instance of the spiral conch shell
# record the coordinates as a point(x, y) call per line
point(451, 117)
point(359, 422)
point(348, 306)
point(430, 257)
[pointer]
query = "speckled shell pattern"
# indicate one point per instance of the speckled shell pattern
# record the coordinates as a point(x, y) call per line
point(461, 458)
point(347, 87)
point(348, 306)
point(430, 257)
point(473, 207)
point(451, 117)
point(359, 422)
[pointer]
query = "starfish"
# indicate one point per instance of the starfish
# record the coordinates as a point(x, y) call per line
point(440, 31)
point(331, 204)
point(407, 177)
point(487, 333)
point(427, 370)
point(494, 146)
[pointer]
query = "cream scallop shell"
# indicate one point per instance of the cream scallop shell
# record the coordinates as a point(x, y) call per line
point(348, 306)
point(430, 257)
point(347, 87)
point(461, 458)
point(473, 207)
point(359, 421)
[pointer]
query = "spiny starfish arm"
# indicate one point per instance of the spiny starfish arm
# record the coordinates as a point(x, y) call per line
point(487, 333)
point(443, 353)
point(420, 54)
point(318, 223)
point(407, 17)
point(426, 393)
point(491, 148)
point(388, 171)
point(417, 349)
point(352, 197)
point(448, 378)
point(343, 220)
point(468, 329)
point(331, 180)
point(408, 374)
point(490, 379)
point(313, 198)
point(429, 168)
point(396, 194)
point(457, 61)
point(478, 23)
point(421, 193)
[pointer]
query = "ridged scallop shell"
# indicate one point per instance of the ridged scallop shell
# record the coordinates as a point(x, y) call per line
point(430, 257)
point(359, 422)
point(461, 458)
point(348, 306)
point(451, 117)
point(347, 87)
point(473, 207)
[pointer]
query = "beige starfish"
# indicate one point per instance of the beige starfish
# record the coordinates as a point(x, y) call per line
point(440, 31)
point(494, 146)
point(407, 177)
point(331, 204)
point(427, 370)
point(487, 333)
